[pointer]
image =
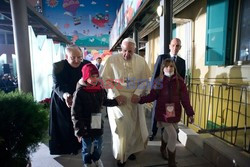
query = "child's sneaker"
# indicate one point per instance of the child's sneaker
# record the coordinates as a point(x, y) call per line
point(86, 165)
point(99, 163)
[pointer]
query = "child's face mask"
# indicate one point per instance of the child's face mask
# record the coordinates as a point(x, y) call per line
point(168, 74)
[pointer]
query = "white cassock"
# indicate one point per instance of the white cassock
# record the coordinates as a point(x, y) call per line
point(127, 122)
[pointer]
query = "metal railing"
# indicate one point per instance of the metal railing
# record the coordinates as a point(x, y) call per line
point(222, 110)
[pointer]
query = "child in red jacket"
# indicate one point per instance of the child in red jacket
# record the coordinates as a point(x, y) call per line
point(170, 92)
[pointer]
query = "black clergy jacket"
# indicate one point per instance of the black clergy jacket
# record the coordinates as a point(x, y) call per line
point(65, 78)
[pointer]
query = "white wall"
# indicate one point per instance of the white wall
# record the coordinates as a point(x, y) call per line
point(43, 54)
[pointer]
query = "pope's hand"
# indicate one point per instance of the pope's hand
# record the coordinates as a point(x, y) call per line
point(135, 99)
point(121, 99)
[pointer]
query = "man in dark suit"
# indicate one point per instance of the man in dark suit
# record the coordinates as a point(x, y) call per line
point(66, 74)
point(98, 64)
point(174, 46)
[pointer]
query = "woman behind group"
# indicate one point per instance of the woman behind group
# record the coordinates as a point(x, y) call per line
point(170, 92)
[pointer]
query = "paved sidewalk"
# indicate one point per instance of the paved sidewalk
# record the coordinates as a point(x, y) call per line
point(151, 157)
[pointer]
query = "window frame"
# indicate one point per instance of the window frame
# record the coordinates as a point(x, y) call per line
point(217, 34)
point(237, 60)
point(228, 34)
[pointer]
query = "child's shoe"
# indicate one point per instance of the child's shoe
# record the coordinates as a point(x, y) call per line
point(86, 165)
point(99, 163)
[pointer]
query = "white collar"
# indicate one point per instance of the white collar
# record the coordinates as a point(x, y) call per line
point(171, 55)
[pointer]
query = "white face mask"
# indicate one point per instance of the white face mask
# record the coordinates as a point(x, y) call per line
point(168, 74)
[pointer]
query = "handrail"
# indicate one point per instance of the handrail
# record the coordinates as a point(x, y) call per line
point(221, 109)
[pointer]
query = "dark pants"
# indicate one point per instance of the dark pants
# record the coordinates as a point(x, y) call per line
point(154, 127)
point(87, 155)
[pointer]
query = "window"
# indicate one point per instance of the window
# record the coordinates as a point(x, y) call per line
point(244, 35)
point(224, 30)
point(221, 25)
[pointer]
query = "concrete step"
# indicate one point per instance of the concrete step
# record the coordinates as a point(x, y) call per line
point(221, 153)
point(192, 140)
point(212, 148)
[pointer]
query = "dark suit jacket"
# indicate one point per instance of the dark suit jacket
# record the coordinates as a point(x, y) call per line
point(180, 65)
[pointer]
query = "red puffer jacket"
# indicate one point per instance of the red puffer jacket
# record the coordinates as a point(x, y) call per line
point(166, 92)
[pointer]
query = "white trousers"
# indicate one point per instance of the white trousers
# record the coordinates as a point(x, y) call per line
point(169, 134)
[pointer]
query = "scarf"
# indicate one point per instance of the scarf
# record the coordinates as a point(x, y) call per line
point(93, 88)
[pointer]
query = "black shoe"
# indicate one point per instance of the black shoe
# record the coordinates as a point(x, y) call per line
point(151, 137)
point(75, 152)
point(132, 157)
point(119, 164)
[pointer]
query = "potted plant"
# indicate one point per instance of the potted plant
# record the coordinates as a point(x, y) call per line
point(23, 124)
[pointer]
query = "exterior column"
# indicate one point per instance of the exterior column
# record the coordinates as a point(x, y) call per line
point(136, 38)
point(21, 41)
point(166, 25)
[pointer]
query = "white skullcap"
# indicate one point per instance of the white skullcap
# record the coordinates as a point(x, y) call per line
point(130, 40)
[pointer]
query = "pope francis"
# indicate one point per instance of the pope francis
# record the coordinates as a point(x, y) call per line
point(127, 75)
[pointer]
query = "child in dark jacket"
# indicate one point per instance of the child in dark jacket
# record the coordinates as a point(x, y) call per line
point(169, 92)
point(86, 114)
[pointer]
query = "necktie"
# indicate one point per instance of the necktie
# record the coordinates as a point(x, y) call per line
point(174, 58)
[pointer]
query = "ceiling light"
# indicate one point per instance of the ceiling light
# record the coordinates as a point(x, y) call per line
point(160, 10)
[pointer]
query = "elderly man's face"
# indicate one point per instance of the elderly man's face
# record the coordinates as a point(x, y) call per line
point(128, 50)
point(74, 57)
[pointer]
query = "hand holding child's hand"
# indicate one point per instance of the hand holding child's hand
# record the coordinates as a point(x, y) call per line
point(79, 139)
point(121, 100)
point(135, 99)
point(68, 99)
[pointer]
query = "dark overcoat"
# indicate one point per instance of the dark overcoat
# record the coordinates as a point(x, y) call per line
point(65, 78)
